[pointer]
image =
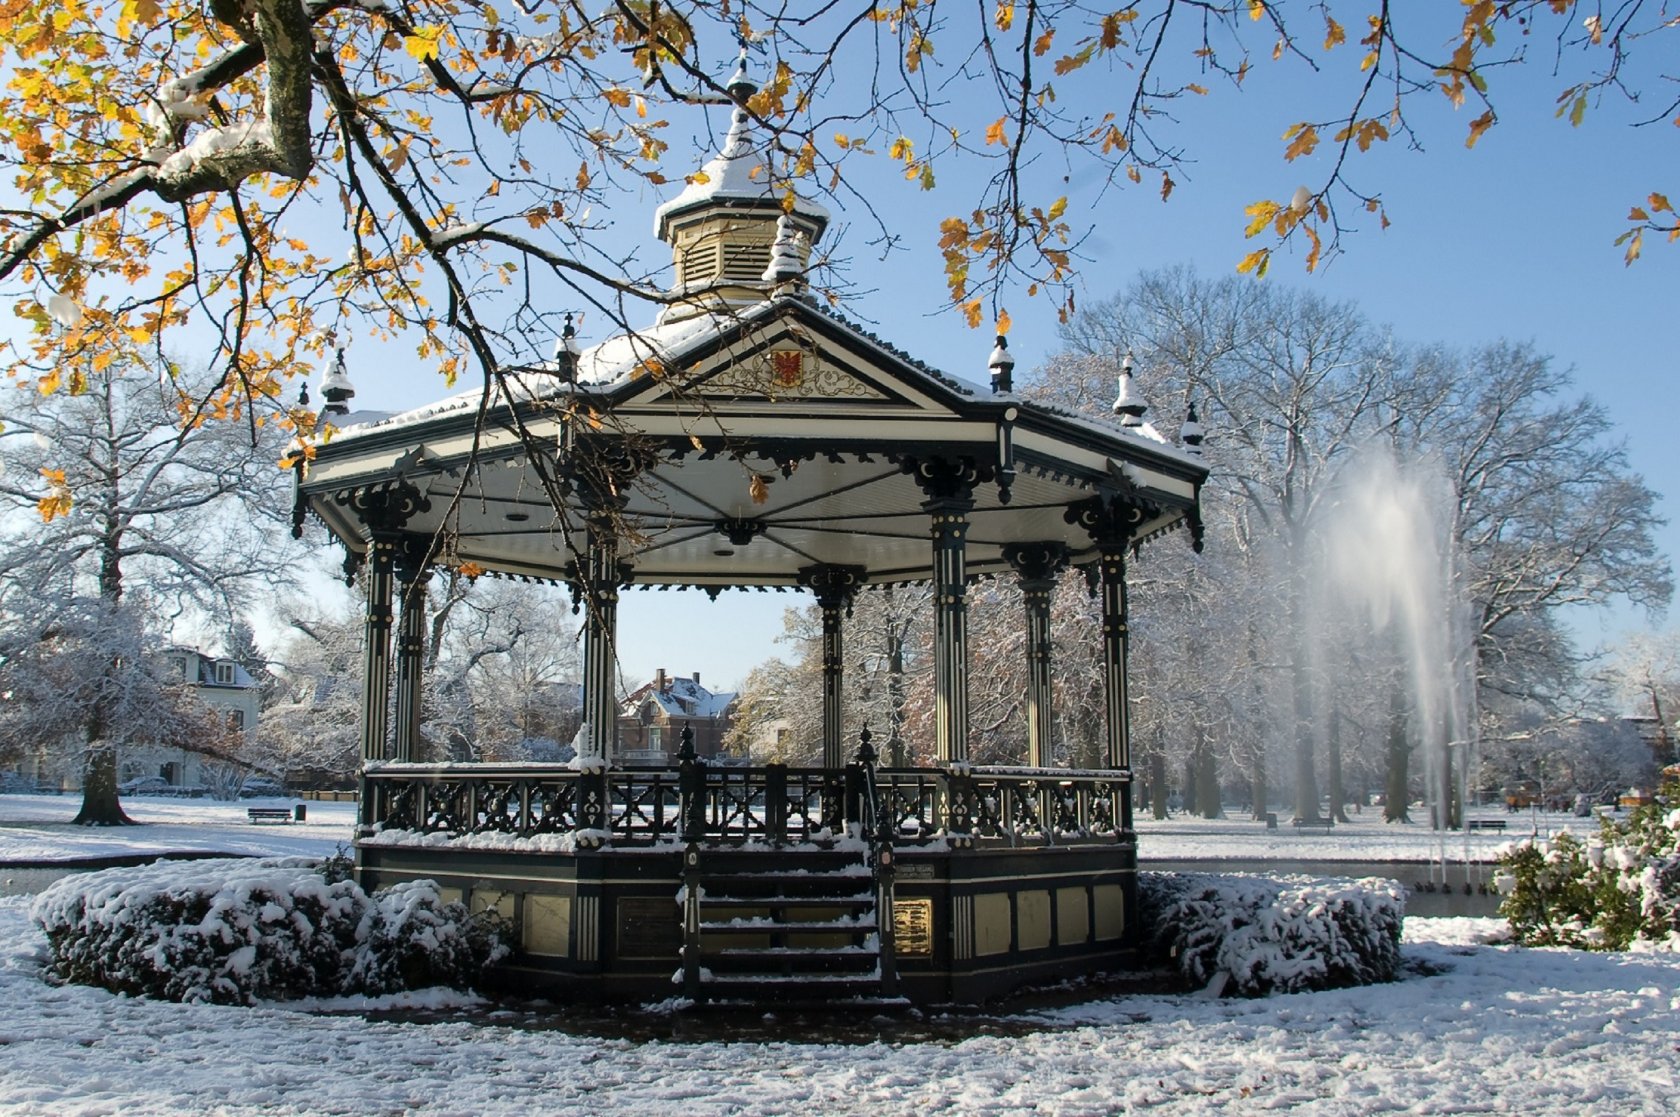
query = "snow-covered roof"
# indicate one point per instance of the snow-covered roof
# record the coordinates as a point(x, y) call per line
point(679, 697)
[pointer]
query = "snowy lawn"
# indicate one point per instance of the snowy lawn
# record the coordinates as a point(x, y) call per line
point(1470, 1028)
point(37, 828)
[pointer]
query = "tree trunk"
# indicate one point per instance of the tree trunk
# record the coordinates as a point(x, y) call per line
point(1207, 781)
point(1190, 801)
point(1306, 780)
point(99, 777)
point(1399, 754)
point(1333, 762)
point(1257, 755)
point(1158, 783)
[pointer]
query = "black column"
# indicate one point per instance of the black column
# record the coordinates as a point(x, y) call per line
point(949, 486)
point(1038, 565)
point(412, 573)
point(834, 586)
point(1112, 522)
point(383, 510)
point(599, 586)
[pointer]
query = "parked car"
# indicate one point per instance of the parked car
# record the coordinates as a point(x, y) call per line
point(261, 789)
point(145, 785)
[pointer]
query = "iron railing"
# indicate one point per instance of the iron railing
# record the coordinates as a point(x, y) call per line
point(773, 804)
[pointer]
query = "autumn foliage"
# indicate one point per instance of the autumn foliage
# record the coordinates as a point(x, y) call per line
point(270, 177)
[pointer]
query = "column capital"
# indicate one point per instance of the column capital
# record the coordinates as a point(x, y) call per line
point(834, 584)
point(947, 480)
point(601, 471)
point(414, 555)
point(1112, 522)
point(1037, 562)
point(383, 508)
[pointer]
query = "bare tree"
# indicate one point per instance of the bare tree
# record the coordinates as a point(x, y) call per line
point(121, 503)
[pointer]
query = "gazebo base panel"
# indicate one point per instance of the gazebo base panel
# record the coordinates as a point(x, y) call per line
point(969, 925)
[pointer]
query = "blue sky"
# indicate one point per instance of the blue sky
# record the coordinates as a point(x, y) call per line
point(1511, 240)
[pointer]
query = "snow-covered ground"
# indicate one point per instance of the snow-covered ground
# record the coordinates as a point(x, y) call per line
point(36, 827)
point(1472, 1028)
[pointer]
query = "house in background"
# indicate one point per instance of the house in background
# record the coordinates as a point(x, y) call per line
point(222, 685)
point(652, 718)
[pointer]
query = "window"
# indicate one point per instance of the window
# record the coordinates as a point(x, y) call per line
point(236, 719)
point(224, 674)
point(655, 739)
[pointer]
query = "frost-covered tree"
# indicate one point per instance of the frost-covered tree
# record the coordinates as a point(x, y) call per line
point(122, 505)
point(1539, 507)
point(310, 733)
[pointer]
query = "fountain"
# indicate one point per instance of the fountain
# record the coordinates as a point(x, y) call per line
point(1391, 558)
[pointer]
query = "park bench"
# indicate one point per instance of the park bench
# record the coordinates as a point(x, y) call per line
point(1486, 824)
point(1303, 824)
point(268, 814)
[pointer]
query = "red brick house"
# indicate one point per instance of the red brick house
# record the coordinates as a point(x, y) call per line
point(652, 718)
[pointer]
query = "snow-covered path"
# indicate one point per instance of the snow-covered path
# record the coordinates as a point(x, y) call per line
point(1482, 1030)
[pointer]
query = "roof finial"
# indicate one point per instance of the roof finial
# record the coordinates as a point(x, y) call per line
point(1002, 366)
point(789, 255)
point(336, 388)
point(1127, 403)
point(566, 351)
point(1192, 432)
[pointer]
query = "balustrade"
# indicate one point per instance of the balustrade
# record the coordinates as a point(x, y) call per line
point(773, 804)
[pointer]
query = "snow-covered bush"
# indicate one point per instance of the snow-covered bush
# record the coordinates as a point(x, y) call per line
point(237, 931)
point(1615, 889)
point(1254, 935)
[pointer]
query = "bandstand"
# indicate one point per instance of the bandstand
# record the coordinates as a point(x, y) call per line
point(752, 438)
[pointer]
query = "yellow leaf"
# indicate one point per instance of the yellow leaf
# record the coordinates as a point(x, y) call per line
point(971, 311)
point(1198, 90)
point(1256, 9)
point(758, 488)
point(1478, 126)
point(1659, 203)
point(1003, 322)
point(902, 148)
point(1303, 144)
point(423, 44)
point(1255, 262)
point(995, 134)
point(1132, 172)
point(1166, 185)
point(1041, 45)
point(1334, 36)
point(1005, 17)
point(1633, 247)
point(1262, 212)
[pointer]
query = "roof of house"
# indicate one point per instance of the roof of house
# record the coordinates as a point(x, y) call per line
point(680, 697)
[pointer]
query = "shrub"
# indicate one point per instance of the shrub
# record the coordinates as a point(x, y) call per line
point(1253, 935)
point(1615, 889)
point(238, 931)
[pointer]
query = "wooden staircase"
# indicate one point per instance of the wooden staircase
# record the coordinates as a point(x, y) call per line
point(790, 926)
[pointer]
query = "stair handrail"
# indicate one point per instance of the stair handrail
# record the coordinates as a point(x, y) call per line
point(877, 828)
point(691, 800)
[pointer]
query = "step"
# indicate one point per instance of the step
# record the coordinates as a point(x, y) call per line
point(794, 927)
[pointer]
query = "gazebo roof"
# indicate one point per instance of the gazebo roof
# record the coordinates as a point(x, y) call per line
point(759, 444)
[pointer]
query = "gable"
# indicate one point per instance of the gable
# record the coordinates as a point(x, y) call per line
point(792, 354)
